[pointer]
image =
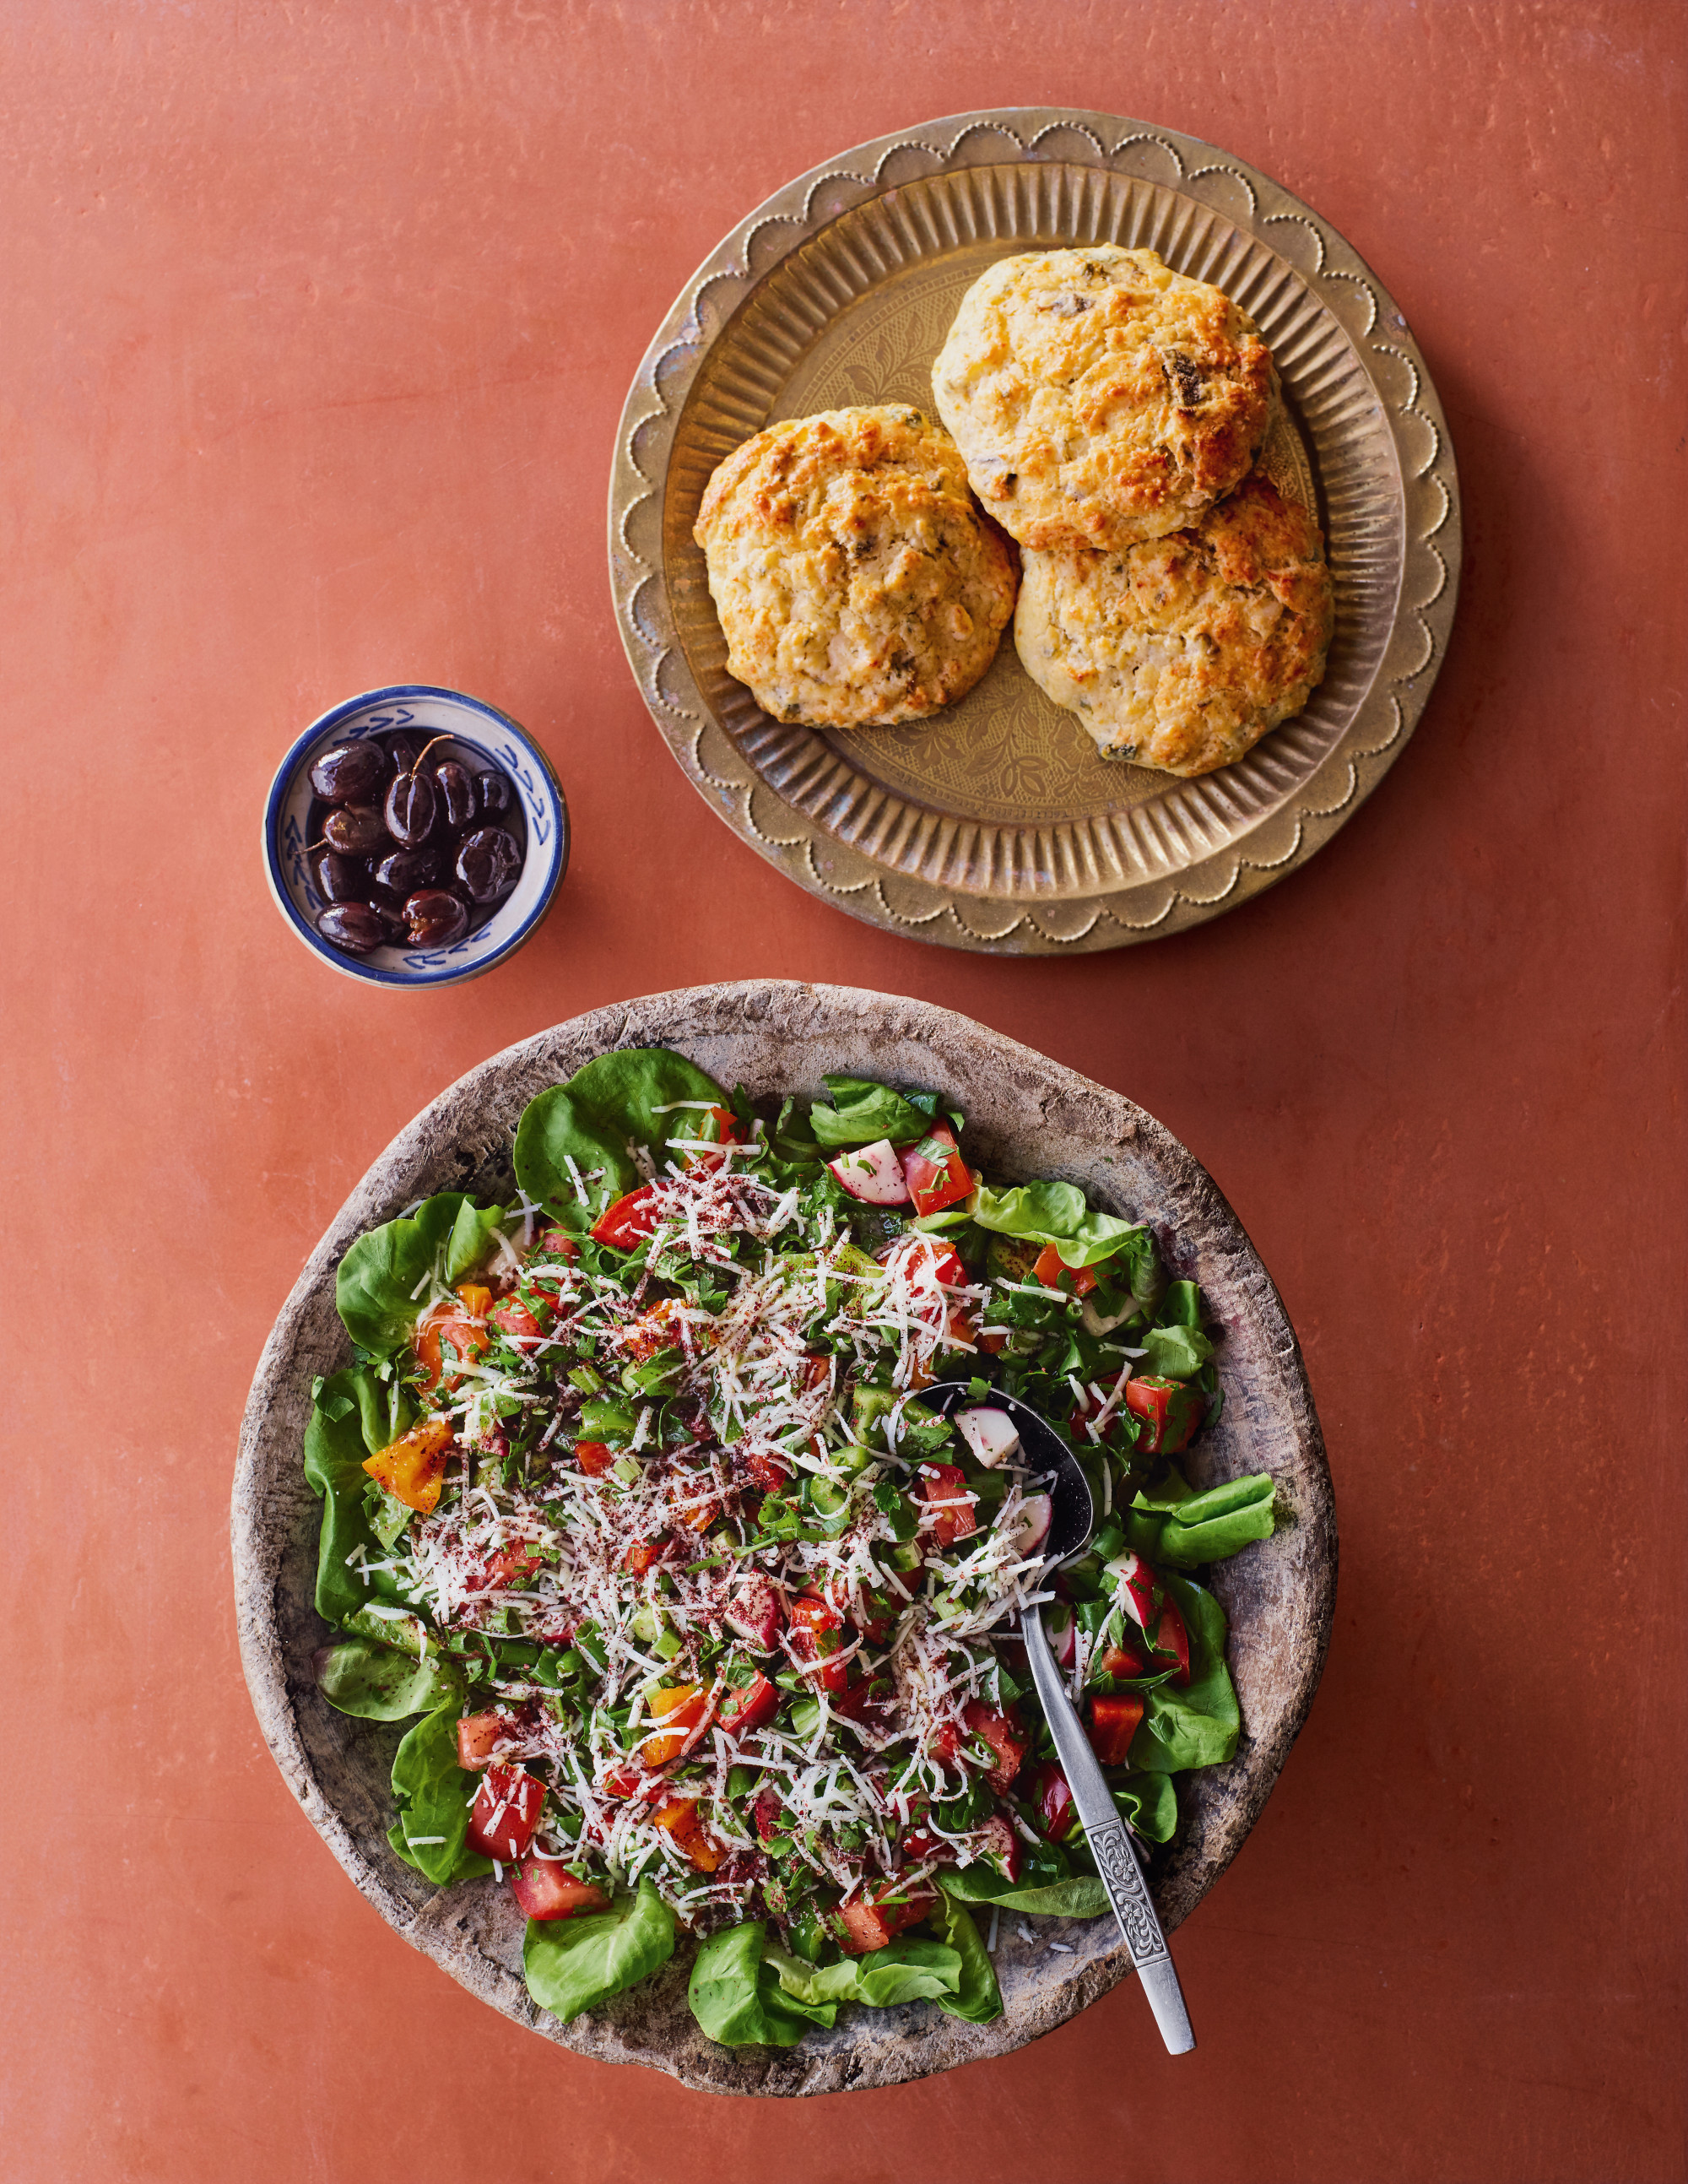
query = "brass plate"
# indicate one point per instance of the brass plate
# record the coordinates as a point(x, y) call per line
point(997, 825)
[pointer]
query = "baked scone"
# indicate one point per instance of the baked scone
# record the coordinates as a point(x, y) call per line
point(855, 580)
point(1181, 652)
point(1099, 397)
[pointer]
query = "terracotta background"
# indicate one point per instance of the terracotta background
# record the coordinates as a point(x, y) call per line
point(318, 320)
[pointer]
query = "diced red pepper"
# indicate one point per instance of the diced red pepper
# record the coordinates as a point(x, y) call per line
point(633, 1782)
point(546, 1889)
point(1002, 1733)
point(1054, 1800)
point(1168, 1411)
point(748, 1707)
point(1112, 1726)
point(477, 1735)
point(466, 1330)
point(594, 1458)
point(1053, 1273)
point(683, 1709)
point(768, 1472)
point(627, 1222)
point(866, 1923)
point(943, 1489)
point(643, 1553)
point(936, 1174)
point(511, 1566)
point(505, 1813)
point(770, 1816)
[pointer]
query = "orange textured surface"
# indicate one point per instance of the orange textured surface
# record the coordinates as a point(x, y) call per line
point(319, 317)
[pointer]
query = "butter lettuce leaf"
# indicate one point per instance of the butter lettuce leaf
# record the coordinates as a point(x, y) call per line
point(1187, 1530)
point(617, 1100)
point(573, 1965)
point(1056, 1213)
point(737, 1998)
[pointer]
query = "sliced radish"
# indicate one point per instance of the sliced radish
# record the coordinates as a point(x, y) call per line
point(990, 1434)
point(1133, 1580)
point(1061, 1630)
point(756, 1612)
point(872, 1173)
point(1030, 1526)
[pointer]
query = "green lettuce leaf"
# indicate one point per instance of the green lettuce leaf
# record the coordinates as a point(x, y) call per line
point(335, 1446)
point(591, 1120)
point(574, 1964)
point(470, 1240)
point(1056, 1213)
point(376, 1288)
point(737, 1999)
point(1176, 1353)
point(1081, 1897)
point(978, 1998)
point(862, 1112)
point(433, 1793)
point(905, 1971)
point(1151, 1804)
point(379, 1683)
point(1174, 1525)
point(1199, 1725)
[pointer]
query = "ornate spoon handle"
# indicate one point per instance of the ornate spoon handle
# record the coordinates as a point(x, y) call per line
point(1111, 1845)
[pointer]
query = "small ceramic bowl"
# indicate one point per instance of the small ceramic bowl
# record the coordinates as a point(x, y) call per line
point(426, 711)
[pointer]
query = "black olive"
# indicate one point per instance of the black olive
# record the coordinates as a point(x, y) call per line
point(342, 879)
point(435, 919)
point(411, 805)
point(350, 773)
point(457, 792)
point(495, 792)
point(354, 927)
point(407, 870)
point(488, 864)
point(356, 830)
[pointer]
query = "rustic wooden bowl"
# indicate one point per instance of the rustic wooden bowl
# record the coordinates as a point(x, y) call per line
point(1026, 1117)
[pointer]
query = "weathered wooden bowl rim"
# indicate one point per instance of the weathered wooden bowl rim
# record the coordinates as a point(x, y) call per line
point(1009, 1093)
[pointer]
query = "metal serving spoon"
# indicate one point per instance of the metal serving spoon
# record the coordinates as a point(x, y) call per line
point(1073, 1520)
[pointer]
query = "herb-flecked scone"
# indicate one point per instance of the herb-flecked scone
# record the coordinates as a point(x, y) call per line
point(1183, 652)
point(1100, 398)
point(856, 581)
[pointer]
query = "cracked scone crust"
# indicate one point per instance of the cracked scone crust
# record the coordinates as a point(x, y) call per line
point(1183, 652)
point(856, 581)
point(1100, 398)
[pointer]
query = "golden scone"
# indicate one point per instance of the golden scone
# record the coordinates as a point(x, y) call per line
point(856, 581)
point(1099, 397)
point(1181, 652)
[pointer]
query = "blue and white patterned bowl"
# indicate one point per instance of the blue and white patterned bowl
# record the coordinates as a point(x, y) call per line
point(427, 711)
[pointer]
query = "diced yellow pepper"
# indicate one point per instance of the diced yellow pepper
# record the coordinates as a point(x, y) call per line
point(476, 1299)
point(412, 1469)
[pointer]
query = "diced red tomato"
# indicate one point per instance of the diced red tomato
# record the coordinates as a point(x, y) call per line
point(1000, 1847)
point(945, 1742)
point(505, 1813)
point(555, 1244)
point(1171, 1636)
point(947, 1270)
point(770, 1816)
point(1112, 1726)
point(1054, 1800)
point(512, 1317)
point(1122, 1661)
point(477, 1735)
point(866, 1923)
point(936, 1174)
point(643, 1553)
point(628, 1220)
point(768, 1472)
point(412, 1469)
point(594, 1458)
point(679, 1818)
point(1002, 1733)
point(464, 1329)
point(546, 1889)
point(684, 1710)
point(511, 1566)
point(748, 1707)
point(1053, 1273)
point(995, 1344)
point(943, 1489)
point(868, 1702)
point(1168, 1411)
point(874, 1614)
point(652, 1330)
point(817, 1632)
point(631, 1782)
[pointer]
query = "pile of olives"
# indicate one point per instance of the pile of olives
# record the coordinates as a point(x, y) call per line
point(413, 841)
